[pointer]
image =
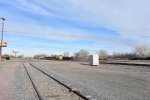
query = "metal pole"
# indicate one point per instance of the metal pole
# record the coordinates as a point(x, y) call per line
point(15, 55)
point(2, 38)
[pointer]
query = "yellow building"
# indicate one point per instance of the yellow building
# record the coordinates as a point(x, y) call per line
point(59, 57)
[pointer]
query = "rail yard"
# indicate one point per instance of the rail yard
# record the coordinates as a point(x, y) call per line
point(68, 80)
point(74, 50)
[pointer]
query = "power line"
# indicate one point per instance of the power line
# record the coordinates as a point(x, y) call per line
point(107, 39)
point(74, 36)
point(144, 36)
point(60, 35)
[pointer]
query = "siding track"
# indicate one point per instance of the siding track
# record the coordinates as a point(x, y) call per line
point(51, 77)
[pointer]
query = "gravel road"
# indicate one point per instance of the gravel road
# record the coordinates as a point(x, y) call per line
point(104, 82)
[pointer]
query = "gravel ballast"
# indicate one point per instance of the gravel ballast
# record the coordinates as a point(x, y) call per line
point(103, 82)
point(48, 88)
point(14, 83)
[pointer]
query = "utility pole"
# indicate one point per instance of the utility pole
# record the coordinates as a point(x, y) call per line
point(3, 19)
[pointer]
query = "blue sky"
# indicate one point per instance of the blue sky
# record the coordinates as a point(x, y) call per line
point(56, 26)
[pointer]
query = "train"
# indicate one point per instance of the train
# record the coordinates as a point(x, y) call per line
point(60, 57)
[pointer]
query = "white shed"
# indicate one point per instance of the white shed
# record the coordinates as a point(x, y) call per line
point(94, 60)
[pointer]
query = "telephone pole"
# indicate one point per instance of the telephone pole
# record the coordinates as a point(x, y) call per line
point(3, 19)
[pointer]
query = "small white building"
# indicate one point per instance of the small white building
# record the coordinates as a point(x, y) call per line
point(94, 60)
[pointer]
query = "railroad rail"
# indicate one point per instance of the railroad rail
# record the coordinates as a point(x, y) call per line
point(59, 82)
point(37, 92)
point(132, 64)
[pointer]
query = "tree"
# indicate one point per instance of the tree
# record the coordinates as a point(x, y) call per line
point(66, 54)
point(141, 51)
point(20, 56)
point(82, 55)
point(40, 56)
point(103, 54)
point(5, 56)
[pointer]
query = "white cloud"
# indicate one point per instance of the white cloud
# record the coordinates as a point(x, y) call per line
point(129, 18)
point(62, 34)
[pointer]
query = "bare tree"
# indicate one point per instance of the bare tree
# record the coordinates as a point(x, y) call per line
point(20, 56)
point(66, 54)
point(40, 56)
point(142, 51)
point(103, 54)
point(82, 55)
point(123, 56)
point(5, 56)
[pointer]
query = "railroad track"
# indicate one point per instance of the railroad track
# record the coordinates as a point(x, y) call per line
point(132, 64)
point(37, 92)
point(51, 77)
